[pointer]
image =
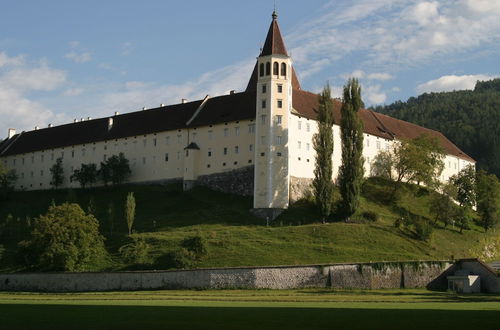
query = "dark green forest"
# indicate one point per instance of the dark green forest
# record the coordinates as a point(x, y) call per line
point(470, 119)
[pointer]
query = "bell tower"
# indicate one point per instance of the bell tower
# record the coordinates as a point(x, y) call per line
point(274, 105)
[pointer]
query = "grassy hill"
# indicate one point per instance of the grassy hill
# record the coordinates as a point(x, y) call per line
point(166, 216)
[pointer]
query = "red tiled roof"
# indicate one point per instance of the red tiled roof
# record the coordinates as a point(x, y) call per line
point(306, 104)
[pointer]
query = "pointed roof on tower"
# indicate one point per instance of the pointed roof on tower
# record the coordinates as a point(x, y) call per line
point(274, 41)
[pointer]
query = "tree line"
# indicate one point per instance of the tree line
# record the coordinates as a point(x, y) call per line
point(417, 161)
point(471, 119)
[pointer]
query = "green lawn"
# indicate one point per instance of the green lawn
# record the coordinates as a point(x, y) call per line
point(250, 309)
point(166, 216)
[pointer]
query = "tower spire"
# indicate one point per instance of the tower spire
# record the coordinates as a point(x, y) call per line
point(274, 44)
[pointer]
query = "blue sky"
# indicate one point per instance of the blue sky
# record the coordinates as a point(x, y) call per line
point(61, 60)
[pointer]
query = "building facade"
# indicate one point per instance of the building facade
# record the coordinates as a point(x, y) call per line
point(264, 132)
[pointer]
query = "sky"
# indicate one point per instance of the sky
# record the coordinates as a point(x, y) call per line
point(61, 60)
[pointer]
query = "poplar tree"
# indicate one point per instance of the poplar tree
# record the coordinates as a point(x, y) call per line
point(351, 133)
point(323, 145)
point(130, 211)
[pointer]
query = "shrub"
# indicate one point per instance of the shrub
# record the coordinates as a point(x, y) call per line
point(136, 252)
point(423, 229)
point(370, 216)
point(196, 244)
point(179, 259)
point(398, 222)
point(64, 239)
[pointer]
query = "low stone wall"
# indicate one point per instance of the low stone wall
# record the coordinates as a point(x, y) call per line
point(342, 276)
point(238, 182)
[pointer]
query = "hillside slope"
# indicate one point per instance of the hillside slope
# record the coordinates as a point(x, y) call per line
point(470, 119)
point(166, 216)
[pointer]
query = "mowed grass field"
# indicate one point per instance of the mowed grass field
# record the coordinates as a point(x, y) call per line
point(251, 309)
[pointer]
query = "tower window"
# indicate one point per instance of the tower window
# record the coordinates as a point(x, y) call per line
point(209, 152)
point(264, 88)
point(166, 157)
point(280, 104)
point(268, 68)
point(261, 69)
point(279, 119)
point(225, 151)
point(275, 68)
point(263, 104)
point(280, 88)
point(263, 119)
point(283, 69)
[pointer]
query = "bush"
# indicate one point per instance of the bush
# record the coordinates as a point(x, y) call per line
point(64, 239)
point(136, 252)
point(196, 244)
point(179, 259)
point(398, 222)
point(423, 229)
point(370, 216)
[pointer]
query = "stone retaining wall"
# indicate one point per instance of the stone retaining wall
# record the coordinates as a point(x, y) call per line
point(238, 182)
point(342, 276)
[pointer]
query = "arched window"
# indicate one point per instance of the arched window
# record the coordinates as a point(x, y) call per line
point(261, 70)
point(268, 68)
point(283, 69)
point(275, 68)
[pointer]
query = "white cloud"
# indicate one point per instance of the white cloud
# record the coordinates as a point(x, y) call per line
point(77, 53)
point(78, 57)
point(452, 82)
point(73, 92)
point(17, 110)
point(127, 48)
point(389, 34)
point(380, 76)
point(5, 60)
point(374, 95)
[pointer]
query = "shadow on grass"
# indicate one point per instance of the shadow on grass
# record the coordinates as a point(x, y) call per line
point(431, 296)
point(26, 316)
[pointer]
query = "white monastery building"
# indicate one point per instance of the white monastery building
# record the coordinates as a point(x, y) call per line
point(258, 141)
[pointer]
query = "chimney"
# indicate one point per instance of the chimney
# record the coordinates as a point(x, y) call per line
point(116, 113)
point(184, 100)
point(110, 123)
point(50, 125)
point(231, 92)
point(36, 128)
point(11, 132)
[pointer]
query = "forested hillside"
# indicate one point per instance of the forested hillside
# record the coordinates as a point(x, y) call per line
point(470, 119)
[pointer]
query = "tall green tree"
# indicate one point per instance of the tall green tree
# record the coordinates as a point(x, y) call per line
point(65, 238)
point(8, 180)
point(85, 175)
point(130, 211)
point(465, 181)
point(115, 169)
point(57, 172)
point(418, 160)
point(323, 145)
point(351, 170)
point(488, 199)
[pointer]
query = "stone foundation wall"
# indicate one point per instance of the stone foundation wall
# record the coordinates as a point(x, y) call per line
point(299, 188)
point(238, 182)
point(342, 276)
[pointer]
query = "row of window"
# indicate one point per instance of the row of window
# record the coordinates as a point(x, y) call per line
point(265, 69)
point(279, 88)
